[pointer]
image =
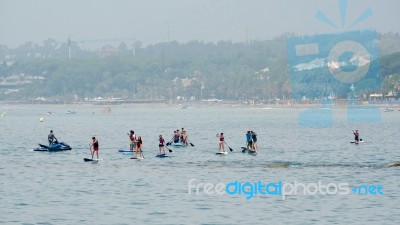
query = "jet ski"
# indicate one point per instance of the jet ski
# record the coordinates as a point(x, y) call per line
point(55, 147)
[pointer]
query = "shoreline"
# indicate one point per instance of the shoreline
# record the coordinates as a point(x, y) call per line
point(196, 105)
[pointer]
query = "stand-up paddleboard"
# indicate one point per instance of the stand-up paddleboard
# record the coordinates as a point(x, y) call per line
point(128, 153)
point(244, 150)
point(138, 158)
point(394, 164)
point(353, 142)
point(252, 152)
point(91, 160)
point(162, 156)
point(178, 145)
point(221, 153)
point(125, 150)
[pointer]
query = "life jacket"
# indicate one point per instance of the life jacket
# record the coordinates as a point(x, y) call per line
point(96, 144)
point(132, 137)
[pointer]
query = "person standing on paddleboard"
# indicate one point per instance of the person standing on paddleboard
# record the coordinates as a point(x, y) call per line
point(221, 143)
point(139, 147)
point(356, 136)
point(51, 138)
point(132, 138)
point(254, 138)
point(249, 140)
point(95, 145)
point(161, 144)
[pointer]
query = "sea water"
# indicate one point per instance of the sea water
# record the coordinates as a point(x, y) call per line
point(60, 188)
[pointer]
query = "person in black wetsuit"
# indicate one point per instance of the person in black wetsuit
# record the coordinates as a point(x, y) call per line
point(356, 136)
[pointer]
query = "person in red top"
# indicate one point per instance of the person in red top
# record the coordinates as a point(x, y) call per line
point(95, 145)
point(221, 142)
point(161, 144)
point(139, 147)
point(132, 138)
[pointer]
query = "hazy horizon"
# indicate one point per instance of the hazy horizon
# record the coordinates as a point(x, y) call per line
point(157, 21)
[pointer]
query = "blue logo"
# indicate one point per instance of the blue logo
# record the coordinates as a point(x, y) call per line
point(328, 67)
point(251, 189)
point(283, 189)
point(368, 190)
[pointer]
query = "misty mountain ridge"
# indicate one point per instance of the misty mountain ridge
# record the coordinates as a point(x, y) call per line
point(193, 70)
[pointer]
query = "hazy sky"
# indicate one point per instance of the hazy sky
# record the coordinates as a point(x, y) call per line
point(207, 20)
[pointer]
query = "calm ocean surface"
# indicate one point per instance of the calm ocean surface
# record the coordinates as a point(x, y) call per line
point(60, 188)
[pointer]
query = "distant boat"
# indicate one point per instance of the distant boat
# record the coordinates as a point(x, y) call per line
point(107, 110)
point(49, 113)
point(183, 106)
point(70, 112)
point(389, 110)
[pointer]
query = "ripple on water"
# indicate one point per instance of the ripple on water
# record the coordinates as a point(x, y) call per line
point(59, 188)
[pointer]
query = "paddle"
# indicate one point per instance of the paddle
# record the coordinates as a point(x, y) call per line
point(170, 141)
point(191, 144)
point(228, 147)
point(244, 149)
point(141, 153)
point(168, 149)
point(90, 149)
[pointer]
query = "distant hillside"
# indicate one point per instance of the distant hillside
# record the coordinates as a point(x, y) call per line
point(390, 64)
point(257, 70)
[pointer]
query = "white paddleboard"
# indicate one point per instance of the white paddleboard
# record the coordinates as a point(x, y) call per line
point(221, 153)
point(138, 158)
